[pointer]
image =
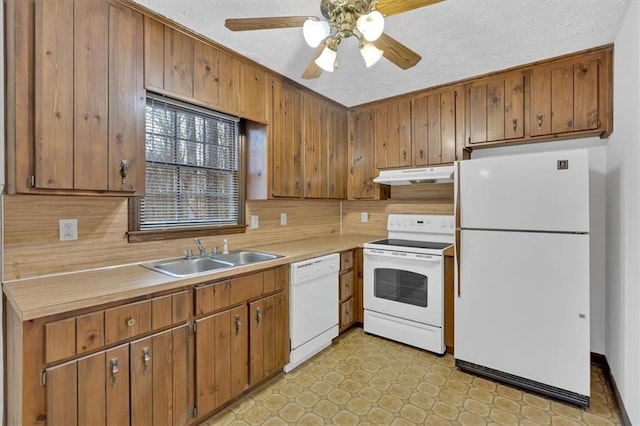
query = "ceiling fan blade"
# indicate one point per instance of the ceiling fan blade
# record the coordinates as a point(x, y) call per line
point(393, 7)
point(313, 71)
point(397, 52)
point(246, 24)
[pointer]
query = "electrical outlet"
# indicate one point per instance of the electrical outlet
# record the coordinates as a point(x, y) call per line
point(68, 229)
point(364, 217)
point(255, 223)
point(283, 219)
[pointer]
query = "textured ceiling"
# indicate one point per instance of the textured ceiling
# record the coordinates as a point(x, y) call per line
point(457, 39)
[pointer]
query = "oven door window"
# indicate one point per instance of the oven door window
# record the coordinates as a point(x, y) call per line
point(401, 286)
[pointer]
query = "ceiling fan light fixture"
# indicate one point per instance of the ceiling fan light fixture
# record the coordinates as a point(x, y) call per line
point(371, 25)
point(370, 53)
point(327, 59)
point(314, 31)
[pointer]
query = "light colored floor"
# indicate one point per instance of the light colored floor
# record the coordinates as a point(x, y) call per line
point(362, 379)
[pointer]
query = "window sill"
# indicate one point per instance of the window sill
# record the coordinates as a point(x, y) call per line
point(190, 232)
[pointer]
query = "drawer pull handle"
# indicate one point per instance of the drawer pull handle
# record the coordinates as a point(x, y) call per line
point(238, 324)
point(146, 360)
point(258, 315)
point(131, 322)
point(113, 362)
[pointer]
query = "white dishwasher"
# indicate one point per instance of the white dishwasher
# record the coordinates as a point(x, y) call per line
point(313, 307)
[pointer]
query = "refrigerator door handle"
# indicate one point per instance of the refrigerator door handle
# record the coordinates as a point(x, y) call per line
point(458, 261)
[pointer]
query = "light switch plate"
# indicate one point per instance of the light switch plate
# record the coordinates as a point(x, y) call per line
point(283, 219)
point(255, 223)
point(364, 217)
point(68, 229)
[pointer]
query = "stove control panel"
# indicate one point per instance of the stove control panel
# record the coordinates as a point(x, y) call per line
point(421, 224)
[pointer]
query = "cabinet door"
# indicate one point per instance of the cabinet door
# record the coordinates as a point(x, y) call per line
point(229, 83)
point(206, 81)
point(269, 337)
point(54, 94)
point(564, 97)
point(126, 101)
point(315, 147)
point(393, 134)
point(337, 137)
point(286, 140)
point(221, 372)
point(153, 53)
point(92, 390)
point(496, 109)
point(178, 62)
point(434, 128)
point(159, 378)
point(362, 148)
point(253, 93)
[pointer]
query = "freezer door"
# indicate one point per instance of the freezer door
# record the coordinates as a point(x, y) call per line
point(545, 192)
point(523, 306)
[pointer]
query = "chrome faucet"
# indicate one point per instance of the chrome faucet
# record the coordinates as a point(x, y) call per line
point(201, 248)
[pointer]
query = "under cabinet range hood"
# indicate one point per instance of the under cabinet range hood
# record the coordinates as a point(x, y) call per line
point(442, 174)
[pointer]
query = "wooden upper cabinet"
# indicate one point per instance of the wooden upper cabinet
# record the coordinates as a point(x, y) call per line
point(206, 80)
point(362, 145)
point(315, 147)
point(565, 97)
point(89, 98)
point(337, 134)
point(253, 93)
point(495, 109)
point(178, 62)
point(433, 119)
point(286, 141)
point(229, 82)
point(393, 134)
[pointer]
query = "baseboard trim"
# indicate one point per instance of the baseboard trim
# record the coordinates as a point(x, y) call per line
point(601, 361)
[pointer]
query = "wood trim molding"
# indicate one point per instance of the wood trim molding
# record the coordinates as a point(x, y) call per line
point(601, 361)
point(191, 232)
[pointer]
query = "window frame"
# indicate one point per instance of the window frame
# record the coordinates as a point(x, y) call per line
point(135, 234)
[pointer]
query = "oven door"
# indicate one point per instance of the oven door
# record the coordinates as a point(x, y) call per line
point(404, 285)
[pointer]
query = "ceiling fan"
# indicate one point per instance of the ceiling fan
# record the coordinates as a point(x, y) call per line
point(362, 19)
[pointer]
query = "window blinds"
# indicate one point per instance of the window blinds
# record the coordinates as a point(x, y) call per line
point(192, 166)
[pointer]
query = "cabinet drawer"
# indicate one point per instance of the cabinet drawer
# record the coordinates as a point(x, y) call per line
point(89, 332)
point(60, 339)
point(246, 288)
point(127, 321)
point(346, 260)
point(346, 313)
point(346, 285)
point(210, 297)
point(169, 309)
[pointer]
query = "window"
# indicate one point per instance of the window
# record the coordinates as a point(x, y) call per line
point(193, 170)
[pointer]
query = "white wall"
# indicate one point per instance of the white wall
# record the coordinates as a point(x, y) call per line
point(623, 218)
point(597, 185)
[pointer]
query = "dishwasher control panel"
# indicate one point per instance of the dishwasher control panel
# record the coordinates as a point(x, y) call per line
point(311, 269)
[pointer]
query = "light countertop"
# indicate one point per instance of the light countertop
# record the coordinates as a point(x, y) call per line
point(53, 294)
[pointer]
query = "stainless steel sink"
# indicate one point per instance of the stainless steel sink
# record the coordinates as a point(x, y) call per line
point(184, 267)
point(181, 268)
point(245, 257)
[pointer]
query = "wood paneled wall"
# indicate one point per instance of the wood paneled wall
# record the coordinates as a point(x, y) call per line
point(411, 199)
point(32, 247)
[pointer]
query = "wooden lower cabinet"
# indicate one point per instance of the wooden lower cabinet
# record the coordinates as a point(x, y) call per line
point(346, 294)
point(269, 336)
point(221, 349)
point(92, 390)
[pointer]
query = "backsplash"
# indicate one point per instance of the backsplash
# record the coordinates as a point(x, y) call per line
point(32, 247)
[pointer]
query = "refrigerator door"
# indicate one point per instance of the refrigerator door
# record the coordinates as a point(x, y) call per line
point(523, 306)
point(526, 192)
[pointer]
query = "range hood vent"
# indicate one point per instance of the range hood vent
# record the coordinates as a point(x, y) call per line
point(443, 174)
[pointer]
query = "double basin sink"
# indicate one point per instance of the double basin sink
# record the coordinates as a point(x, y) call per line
point(187, 267)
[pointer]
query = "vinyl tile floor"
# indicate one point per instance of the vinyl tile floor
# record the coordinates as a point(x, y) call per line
point(366, 380)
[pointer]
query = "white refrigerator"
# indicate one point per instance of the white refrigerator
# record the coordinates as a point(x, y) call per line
point(522, 278)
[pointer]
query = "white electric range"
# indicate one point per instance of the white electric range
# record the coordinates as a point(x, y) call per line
point(404, 280)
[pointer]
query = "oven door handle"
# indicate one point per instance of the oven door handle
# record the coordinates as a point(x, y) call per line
point(403, 255)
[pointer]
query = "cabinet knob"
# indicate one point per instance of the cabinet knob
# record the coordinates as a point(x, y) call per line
point(421, 154)
point(131, 322)
point(124, 169)
point(515, 124)
point(540, 117)
point(258, 315)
